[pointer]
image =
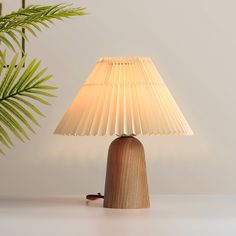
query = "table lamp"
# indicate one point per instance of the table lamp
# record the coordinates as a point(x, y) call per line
point(124, 96)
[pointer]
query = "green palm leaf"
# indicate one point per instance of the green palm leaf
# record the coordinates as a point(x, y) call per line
point(21, 89)
point(6, 136)
point(32, 19)
point(3, 141)
point(30, 105)
point(2, 60)
point(18, 115)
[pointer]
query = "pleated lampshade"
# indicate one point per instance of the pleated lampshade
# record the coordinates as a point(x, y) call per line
point(124, 96)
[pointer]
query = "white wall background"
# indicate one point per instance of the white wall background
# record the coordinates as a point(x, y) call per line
point(193, 45)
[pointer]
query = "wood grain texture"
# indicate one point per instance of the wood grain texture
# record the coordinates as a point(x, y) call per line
point(126, 180)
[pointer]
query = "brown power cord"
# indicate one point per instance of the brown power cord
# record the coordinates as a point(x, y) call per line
point(94, 196)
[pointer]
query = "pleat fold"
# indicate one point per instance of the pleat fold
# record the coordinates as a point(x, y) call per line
point(124, 96)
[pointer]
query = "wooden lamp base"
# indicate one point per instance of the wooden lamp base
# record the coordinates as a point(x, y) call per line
point(126, 180)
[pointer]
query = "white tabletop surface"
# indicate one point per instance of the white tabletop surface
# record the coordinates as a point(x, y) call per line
point(169, 215)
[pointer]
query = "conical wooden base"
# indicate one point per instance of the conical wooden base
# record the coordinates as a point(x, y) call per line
point(126, 180)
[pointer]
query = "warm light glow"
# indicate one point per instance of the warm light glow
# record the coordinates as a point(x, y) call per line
point(124, 96)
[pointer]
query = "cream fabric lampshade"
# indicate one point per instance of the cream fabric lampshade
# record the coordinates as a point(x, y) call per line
point(124, 96)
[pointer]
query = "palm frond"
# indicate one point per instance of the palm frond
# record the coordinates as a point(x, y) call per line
point(2, 60)
point(20, 89)
point(32, 19)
